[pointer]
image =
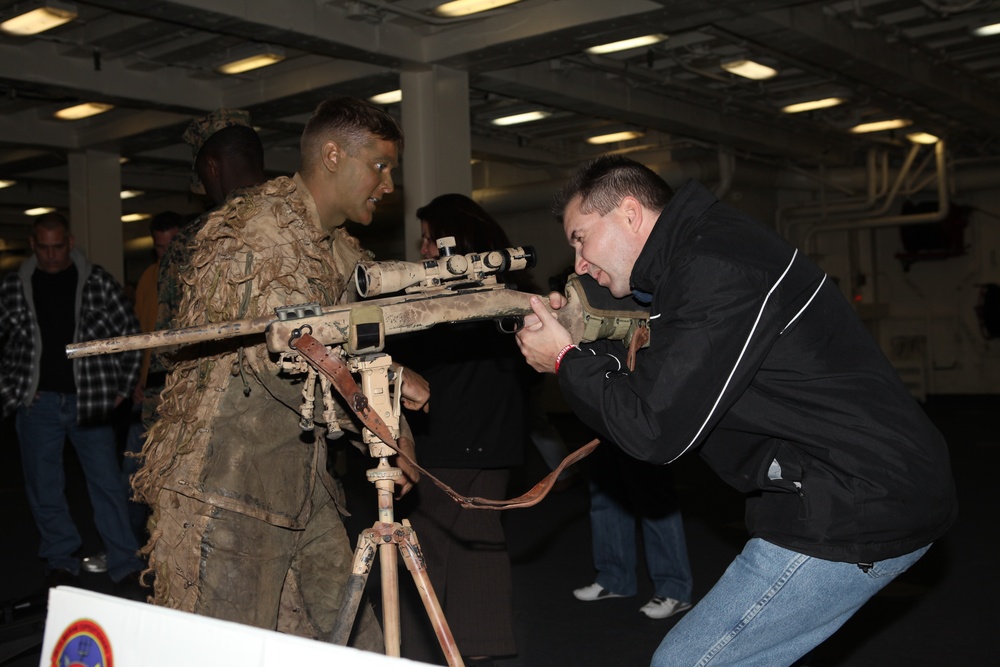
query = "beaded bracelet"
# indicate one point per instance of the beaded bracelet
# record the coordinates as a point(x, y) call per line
point(562, 353)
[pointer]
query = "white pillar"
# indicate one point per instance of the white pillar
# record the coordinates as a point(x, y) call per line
point(435, 111)
point(95, 208)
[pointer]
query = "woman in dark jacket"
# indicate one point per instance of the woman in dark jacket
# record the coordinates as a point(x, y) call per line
point(471, 437)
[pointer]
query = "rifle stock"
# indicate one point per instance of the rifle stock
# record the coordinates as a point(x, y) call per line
point(337, 325)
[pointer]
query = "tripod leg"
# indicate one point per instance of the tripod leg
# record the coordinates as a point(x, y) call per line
point(364, 554)
point(413, 557)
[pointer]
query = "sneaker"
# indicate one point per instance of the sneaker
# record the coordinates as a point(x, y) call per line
point(664, 607)
point(594, 592)
point(95, 564)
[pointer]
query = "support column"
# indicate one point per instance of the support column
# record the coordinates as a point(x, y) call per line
point(438, 148)
point(95, 208)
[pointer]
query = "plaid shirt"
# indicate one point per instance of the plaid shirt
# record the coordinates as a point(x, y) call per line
point(103, 311)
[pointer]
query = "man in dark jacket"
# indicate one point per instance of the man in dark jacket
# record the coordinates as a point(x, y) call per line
point(758, 362)
point(58, 297)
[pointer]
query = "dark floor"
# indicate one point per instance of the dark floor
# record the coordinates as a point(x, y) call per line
point(940, 613)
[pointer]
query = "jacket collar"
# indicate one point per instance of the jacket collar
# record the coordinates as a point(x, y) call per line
point(675, 224)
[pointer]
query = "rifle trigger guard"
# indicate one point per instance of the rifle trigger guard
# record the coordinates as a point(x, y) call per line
point(510, 324)
point(297, 333)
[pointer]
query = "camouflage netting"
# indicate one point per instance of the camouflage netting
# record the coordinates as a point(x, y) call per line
point(258, 252)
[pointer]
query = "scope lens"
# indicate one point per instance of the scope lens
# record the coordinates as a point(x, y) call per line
point(361, 280)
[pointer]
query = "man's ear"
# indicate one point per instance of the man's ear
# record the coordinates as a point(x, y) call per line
point(632, 211)
point(331, 155)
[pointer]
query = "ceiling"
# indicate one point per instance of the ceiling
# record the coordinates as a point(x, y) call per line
point(155, 62)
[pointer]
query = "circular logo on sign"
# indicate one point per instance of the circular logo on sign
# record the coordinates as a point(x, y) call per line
point(83, 644)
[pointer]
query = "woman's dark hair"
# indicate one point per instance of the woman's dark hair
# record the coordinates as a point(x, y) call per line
point(456, 215)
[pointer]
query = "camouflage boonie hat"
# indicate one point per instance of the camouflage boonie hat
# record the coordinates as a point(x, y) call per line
point(200, 129)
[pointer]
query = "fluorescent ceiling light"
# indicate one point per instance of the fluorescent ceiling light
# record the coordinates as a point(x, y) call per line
point(880, 125)
point(390, 97)
point(526, 117)
point(40, 19)
point(6, 184)
point(922, 138)
point(135, 217)
point(812, 105)
point(129, 194)
point(625, 44)
point(987, 30)
point(749, 69)
point(250, 59)
point(466, 7)
point(84, 110)
point(41, 210)
point(614, 137)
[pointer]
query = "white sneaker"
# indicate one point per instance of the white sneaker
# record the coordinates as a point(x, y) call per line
point(664, 607)
point(594, 592)
point(95, 564)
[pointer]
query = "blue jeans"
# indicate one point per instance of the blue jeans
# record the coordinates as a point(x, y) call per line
point(42, 429)
point(772, 606)
point(622, 492)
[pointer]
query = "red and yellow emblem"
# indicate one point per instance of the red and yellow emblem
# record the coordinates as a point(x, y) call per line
point(83, 644)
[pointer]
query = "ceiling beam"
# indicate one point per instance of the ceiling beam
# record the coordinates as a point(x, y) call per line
point(604, 97)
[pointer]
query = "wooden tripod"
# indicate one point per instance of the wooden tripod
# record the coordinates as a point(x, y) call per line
point(375, 404)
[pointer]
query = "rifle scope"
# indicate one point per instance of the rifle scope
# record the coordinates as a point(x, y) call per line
point(375, 278)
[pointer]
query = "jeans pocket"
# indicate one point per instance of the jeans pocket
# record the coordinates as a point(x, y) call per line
point(893, 567)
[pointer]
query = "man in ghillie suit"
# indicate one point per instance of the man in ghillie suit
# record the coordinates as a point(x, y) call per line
point(246, 524)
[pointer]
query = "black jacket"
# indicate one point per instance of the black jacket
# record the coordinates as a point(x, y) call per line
point(757, 360)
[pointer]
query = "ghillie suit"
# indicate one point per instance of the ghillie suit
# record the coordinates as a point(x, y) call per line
point(245, 524)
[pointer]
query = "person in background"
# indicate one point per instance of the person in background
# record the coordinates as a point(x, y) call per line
point(758, 363)
point(624, 491)
point(472, 435)
point(57, 297)
point(228, 158)
point(162, 228)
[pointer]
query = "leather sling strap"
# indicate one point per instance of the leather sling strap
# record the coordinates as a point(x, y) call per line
point(335, 370)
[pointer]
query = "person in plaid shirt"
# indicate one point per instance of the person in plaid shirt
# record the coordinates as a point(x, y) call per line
point(56, 398)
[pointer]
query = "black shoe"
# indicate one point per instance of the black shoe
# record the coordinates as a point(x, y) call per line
point(57, 576)
point(131, 588)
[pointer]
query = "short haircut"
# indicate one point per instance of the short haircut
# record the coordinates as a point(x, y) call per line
point(605, 181)
point(165, 221)
point(351, 123)
point(236, 144)
point(456, 215)
point(50, 221)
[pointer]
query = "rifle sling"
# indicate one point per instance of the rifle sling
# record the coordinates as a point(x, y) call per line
point(335, 370)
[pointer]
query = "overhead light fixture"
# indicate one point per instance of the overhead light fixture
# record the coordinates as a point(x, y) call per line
point(6, 184)
point(614, 137)
point(129, 194)
point(49, 15)
point(986, 29)
point(812, 105)
point(519, 118)
point(135, 217)
point(880, 126)
point(41, 210)
point(250, 58)
point(749, 69)
point(625, 44)
point(466, 7)
point(85, 110)
point(391, 97)
point(922, 138)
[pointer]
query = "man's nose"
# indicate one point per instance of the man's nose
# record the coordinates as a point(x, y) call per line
point(581, 266)
point(387, 185)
